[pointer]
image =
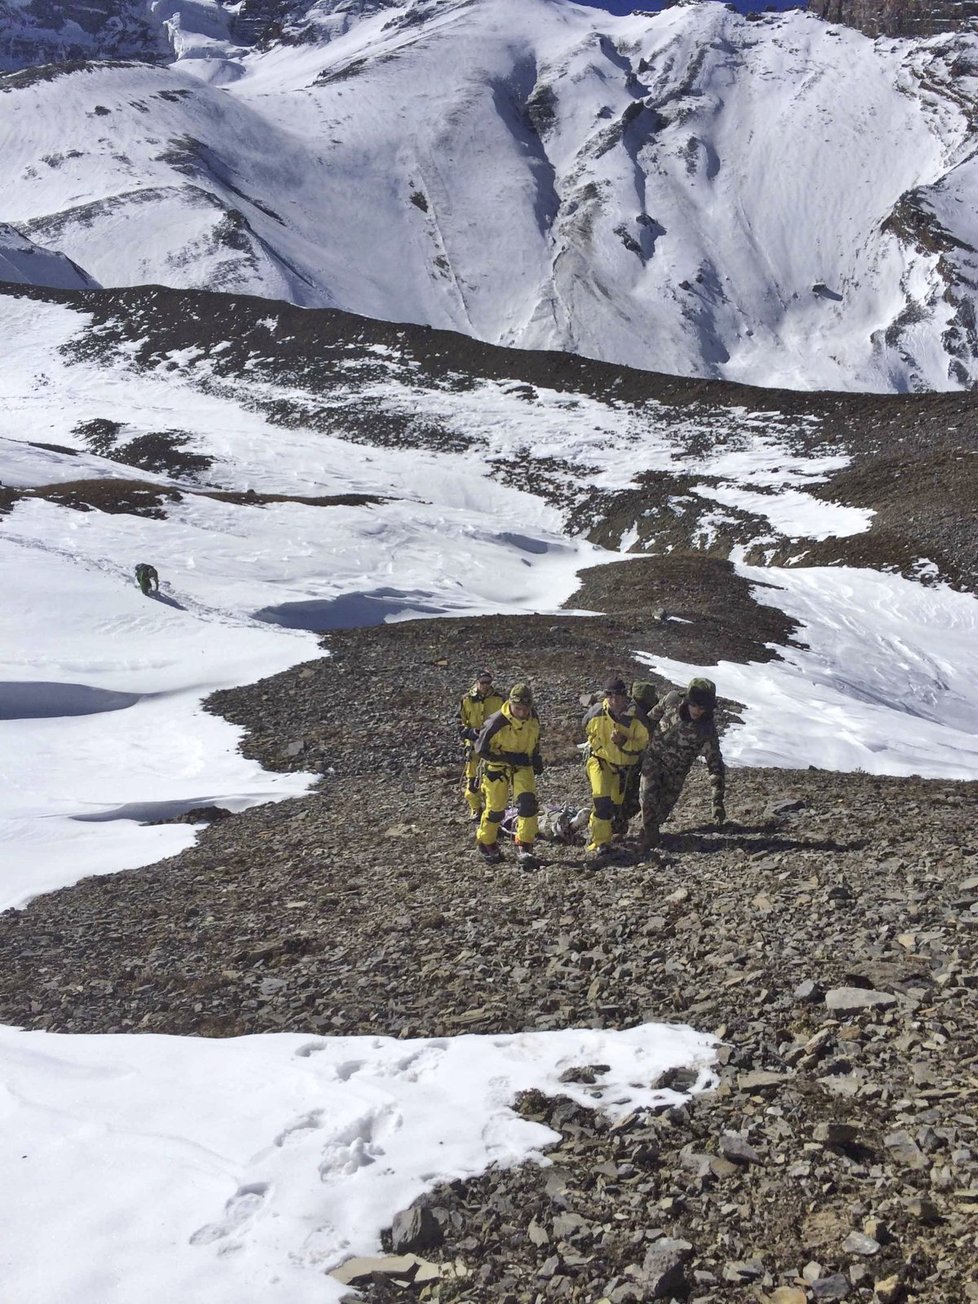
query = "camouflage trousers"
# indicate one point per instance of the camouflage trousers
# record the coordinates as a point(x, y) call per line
point(660, 790)
point(630, 801)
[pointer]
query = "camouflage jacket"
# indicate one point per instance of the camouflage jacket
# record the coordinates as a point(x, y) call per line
point(677, 740)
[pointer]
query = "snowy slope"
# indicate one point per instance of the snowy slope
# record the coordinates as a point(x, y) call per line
point(775, 201)
point(244, 1170)
point(280, 486)
point(24, 263)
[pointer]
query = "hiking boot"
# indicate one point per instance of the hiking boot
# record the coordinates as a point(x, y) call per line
point(491, 855)
point(525, 857)
point(599, 855)
point(650, 838)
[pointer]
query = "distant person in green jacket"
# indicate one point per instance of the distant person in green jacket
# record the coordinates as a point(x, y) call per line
point(147, 578)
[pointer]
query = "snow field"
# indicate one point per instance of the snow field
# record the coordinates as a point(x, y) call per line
point(240, 1171)
point(883, 681)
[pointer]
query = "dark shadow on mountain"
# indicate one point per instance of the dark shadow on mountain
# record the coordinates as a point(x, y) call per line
point(45, 701)
point(524, 542)
point(350, 610)
point(512, 101)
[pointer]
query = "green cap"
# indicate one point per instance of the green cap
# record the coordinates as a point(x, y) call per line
point(702, 692)
point(521, 694)
point(644, 693)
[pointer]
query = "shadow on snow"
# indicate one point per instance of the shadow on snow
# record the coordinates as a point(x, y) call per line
point(350, 610)
point(44, 700)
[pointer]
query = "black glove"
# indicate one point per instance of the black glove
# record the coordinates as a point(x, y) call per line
point(470, 735)
point(537, 763)
point(517, 758)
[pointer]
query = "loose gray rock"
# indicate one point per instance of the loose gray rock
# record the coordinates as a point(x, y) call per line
point(840, 1136)
point(415, 1230)
point(829, 1288)
point(856, 1000)
point(664, 1268)
point(904, 1150)
point(808, 991)
point(739, 1151)
point(859, 1243)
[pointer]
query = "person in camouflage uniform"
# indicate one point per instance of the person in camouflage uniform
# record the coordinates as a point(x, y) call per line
point(643, 698)
point(682, 727)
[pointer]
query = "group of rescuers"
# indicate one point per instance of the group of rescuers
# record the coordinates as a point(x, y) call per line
point(638, 753)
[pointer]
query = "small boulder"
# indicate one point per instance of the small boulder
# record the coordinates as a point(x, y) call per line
point(664, 1269)
point(834, 1287)
point(739, 1151)
point(858, 1000)
point(414, 1230)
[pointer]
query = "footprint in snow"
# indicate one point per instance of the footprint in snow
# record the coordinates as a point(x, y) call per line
point(242, 1208)
point(359, 1144)
point(303, 1125)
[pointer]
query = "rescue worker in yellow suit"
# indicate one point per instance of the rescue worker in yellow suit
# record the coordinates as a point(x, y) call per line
point(616, 737)
point(475, 708)
point(509, 745)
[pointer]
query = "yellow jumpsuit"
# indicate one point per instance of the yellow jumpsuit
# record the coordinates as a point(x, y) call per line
point(503, 745)
point(473, 711)
point(615, 746)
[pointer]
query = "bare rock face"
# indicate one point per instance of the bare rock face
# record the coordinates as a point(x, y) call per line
point(44, 32)
point(897, 17)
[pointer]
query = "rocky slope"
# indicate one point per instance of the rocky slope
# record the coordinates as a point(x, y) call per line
point(909, 459)
point(826, 935)
point(898, 17)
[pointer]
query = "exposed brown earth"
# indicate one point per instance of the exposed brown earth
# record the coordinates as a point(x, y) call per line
point(144, 498)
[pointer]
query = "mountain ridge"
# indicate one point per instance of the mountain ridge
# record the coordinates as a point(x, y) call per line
point(778, 201)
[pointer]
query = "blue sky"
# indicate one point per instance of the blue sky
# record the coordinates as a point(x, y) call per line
point(626, 6)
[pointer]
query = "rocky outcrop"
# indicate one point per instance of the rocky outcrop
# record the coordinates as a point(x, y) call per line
point(48, 32)
point(898, 17)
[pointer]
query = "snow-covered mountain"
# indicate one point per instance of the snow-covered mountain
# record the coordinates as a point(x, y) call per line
point(774, 199)
point(24, 263)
